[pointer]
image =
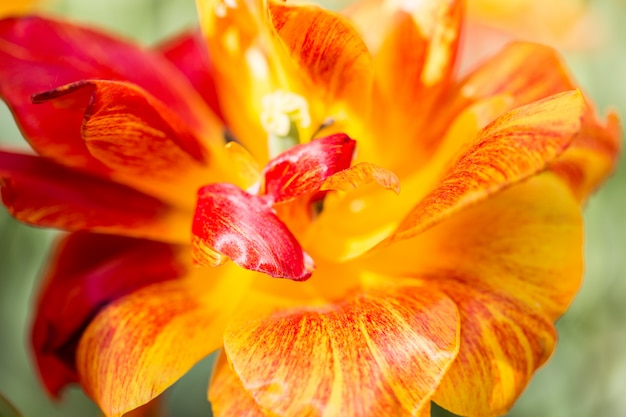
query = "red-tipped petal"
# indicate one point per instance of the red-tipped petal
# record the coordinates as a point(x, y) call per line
point(72, 53)
point(136, 136)
point(514, 147)
point(190, 54)
point(304, 168)
point(42, 193)
point(87, 272)
point(377, 353)
point(232, 224)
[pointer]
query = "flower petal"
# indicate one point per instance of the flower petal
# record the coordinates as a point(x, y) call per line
point(304, 168)
point(138, 137)
point(502, 344)
point(141, 344)
point(249, 63)
point(227, 395)
point(190, 55)
point(42, 193)
point(512, 148)
point(232, 224)
point(360, 174)
point(327, 49)
point(87, 272)
point(592, 156)
point(378, 353)
point(72, 53)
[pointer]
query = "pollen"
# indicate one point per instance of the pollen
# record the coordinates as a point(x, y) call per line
point(281, 110)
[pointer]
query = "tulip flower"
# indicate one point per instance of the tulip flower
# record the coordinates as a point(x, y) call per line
point(356, 229)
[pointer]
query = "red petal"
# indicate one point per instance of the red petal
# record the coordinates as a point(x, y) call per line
point(139, 138)
point(191, 56)
point(87, 272)
point(40, 192)
point(232, 224)
point(303, 168)
point(381, 352)
point(30, 65)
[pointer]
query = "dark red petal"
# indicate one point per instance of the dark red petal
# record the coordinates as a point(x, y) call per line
point(38, 54)
point(232, 224)
point(40, 192)
point(304, 168)
point(87, 272)
point(191, 56)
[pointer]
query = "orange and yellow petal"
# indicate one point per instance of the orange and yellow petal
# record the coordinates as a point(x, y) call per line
point(139, 345)
point(374, 353)
point(514, 147)
point(139, 139)
point(502, 344)
point(330, 51)
point(592, 156)
point(87, 272)
point(40, 192)
point(513, 264)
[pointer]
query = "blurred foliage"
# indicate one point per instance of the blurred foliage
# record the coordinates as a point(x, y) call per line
point(587, 373)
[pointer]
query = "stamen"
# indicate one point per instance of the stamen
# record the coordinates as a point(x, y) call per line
point(282, 114)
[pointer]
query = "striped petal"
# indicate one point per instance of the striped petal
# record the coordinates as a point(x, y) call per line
point(42, 193)
point(513, 263)
point(514, 147)
point(139, 345)
point(328, 50)
point(142, 142)
point(232, 224)
point(377, 353)
point(502, 343)
point(72, 53)
point(87, 272)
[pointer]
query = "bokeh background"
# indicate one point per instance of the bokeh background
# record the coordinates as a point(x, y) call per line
point(587, 374)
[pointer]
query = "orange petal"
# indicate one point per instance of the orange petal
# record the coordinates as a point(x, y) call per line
point(592, 156)
point(138, 137)
point(413, 67)
point(502, 344)
point(227, 395)
point(72, 53)
point(87, 272)
point(377, 353)
point(141, 344)
point(232, 224)
point(40, 192)
point(328, 50)
point(514, 147)
point(525, 71)
point(361, 174)
point(249, 63)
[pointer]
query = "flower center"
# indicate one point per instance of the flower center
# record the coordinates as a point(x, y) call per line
point(282, 114)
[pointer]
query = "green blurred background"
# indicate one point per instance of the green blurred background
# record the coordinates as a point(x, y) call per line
point(585, 377)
